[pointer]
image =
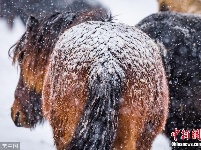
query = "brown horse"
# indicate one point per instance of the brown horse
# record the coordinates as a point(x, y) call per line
point(102, 84)
point(183, 6)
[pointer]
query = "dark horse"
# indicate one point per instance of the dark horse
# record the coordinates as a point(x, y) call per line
point(10, 9)
point(179, 38)
point(101, 84)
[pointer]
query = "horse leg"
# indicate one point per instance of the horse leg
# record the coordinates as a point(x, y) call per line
point(63, 109)
point(150, 131)
point(52, 116)
point(128, 127)
point(64, 117)
point(126, 136)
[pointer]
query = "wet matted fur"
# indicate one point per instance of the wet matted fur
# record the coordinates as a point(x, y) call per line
point(103, 84)
point(179, 38)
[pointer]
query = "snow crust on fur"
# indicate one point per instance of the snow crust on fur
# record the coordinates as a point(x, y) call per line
point(95, 42)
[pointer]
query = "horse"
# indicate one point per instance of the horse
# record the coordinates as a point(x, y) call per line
point(100, 84)
point(178, 36)
point(22, 9)
point(183, 6)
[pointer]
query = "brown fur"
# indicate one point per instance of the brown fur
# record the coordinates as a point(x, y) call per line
point(143, 117)
point(27, 108)
point(136, 116)
point(31, 43)
point(34, 76)
point(183, 6)
point(65, 116)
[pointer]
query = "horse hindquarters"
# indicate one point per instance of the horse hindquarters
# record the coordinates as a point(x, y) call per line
point(143, 112)
point(98, 124)
point(156, 118)
point(91, 123)
point(89, 108)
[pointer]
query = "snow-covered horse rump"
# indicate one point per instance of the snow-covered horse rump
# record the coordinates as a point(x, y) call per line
point(103, 87)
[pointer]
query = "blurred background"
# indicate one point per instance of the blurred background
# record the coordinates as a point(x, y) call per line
point(13, 14)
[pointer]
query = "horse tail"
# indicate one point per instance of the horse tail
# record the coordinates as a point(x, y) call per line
point(98, 125)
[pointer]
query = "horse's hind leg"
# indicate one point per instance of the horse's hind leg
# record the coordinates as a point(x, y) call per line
point(63, 106)
point(144, 142)
point(151, 130)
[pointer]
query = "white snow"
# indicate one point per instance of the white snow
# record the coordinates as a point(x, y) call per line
point(127, 11)
point(41, 137)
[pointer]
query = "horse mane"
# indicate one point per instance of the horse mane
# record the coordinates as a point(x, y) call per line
point(32, 51)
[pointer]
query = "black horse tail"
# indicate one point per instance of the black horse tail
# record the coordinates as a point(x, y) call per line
point(97, 127)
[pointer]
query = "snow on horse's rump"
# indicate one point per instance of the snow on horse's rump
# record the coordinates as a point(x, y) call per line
point(102, 84)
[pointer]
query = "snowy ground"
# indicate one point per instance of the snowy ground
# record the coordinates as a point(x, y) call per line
point(127, 11)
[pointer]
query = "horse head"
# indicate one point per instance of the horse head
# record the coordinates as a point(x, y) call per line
point(26, 110)
point(32, 53)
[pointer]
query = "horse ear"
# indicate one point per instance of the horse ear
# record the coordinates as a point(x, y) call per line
point(31, 23)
